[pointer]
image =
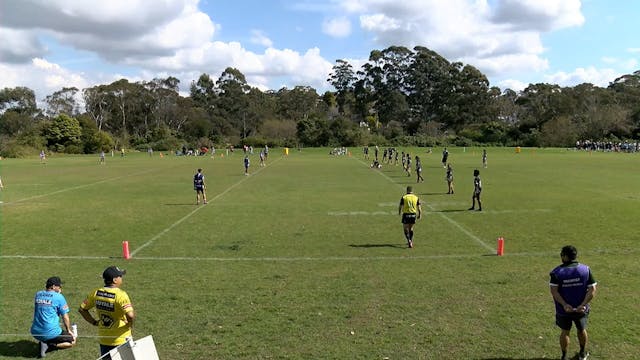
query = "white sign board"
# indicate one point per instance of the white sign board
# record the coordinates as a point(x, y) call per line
point(141, 349)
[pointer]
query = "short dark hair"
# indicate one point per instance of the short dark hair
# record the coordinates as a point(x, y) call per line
point(409, 189)
point(53, 281)
point(476, 172)
point(570, 252)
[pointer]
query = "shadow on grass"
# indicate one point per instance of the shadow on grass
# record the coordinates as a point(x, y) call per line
point(20, 348)
point(183, 204)
point(449, 210)
point(433, 193)
point(403, 246)
point(519, 358)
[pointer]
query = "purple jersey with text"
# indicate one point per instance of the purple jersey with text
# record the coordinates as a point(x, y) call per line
point(572, 280)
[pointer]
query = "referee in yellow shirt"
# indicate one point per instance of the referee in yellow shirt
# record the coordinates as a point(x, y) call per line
point(411, 210)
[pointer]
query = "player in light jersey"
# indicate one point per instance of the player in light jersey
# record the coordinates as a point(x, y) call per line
point(411, 209)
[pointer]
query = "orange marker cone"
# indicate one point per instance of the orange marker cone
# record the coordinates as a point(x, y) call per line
point(500, 246)
point(125, 250)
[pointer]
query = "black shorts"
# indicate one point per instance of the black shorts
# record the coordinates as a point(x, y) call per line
point(62, 338)
point(408, 218)
point(565, 322)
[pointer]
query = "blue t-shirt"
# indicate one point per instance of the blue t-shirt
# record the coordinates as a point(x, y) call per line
point(572, 279)
point(49, 306)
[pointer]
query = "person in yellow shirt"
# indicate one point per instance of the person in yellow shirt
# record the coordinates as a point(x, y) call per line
point(411, 209)
point(113, 308)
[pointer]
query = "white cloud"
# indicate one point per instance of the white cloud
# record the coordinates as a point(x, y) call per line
point(515, 85)
point(634, 50)
point(258, 37)
point(592, 75)
point(18, 46)
point(337, 27)
point(496, 36)
point(538, 15)
point(43, 77)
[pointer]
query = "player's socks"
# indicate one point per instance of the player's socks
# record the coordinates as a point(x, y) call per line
point(43, 349)
point(411, 235)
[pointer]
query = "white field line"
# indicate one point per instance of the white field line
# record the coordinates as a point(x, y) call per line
point(170, 227)
point(451, 221)
point(550, 254)
point(431, 210)
point(275, 259)
point(76, 187)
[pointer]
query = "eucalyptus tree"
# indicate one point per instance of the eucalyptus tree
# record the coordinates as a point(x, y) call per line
point(63, 101)
point(343, 79)
point(231, 105)
point(18, 110)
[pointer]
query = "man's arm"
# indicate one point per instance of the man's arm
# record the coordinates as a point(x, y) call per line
point(558, 298)
point(67, 323)
point(591, 293)
point(88, 317)
point(400, 206)
point(419, 209)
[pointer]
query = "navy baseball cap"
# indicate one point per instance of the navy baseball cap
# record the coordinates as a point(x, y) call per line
point(112, 272)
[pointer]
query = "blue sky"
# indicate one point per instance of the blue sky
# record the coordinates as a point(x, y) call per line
point(49, 44)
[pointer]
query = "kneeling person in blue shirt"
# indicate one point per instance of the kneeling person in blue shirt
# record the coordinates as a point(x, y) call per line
point(49, 306)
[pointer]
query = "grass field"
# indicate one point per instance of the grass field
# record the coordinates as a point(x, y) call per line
point(305, 258)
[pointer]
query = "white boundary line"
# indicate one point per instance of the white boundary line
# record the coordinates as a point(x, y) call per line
point(310, 258)
point(451, 221)
point(76, 187)
point(170, 227)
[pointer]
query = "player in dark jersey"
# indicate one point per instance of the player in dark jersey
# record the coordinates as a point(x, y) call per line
point(572, 287)
point(477, 189)
point(449, 177)
point(200, 187)
point(445, 157)
point(419, 170)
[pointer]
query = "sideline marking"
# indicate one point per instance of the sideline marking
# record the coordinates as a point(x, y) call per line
point(166, 230)
point(451, 221)
point(322, 258)
point(77, 187)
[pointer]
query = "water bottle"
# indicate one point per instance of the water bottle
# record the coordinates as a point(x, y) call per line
point(74, 330)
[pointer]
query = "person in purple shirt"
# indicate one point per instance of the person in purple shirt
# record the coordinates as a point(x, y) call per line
point(572, 287)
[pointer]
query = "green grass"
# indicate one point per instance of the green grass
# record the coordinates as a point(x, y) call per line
point(305, 258)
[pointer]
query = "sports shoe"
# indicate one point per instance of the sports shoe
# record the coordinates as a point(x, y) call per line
point(583, 356)
point(410, 244)
point(472, 208)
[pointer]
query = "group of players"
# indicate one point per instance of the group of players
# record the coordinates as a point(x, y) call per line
point(410, 207)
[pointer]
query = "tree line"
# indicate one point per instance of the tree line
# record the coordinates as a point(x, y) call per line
point(400, 96)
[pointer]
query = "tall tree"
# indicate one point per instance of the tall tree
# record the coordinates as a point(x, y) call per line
point(63, 101)
point(342, 79)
